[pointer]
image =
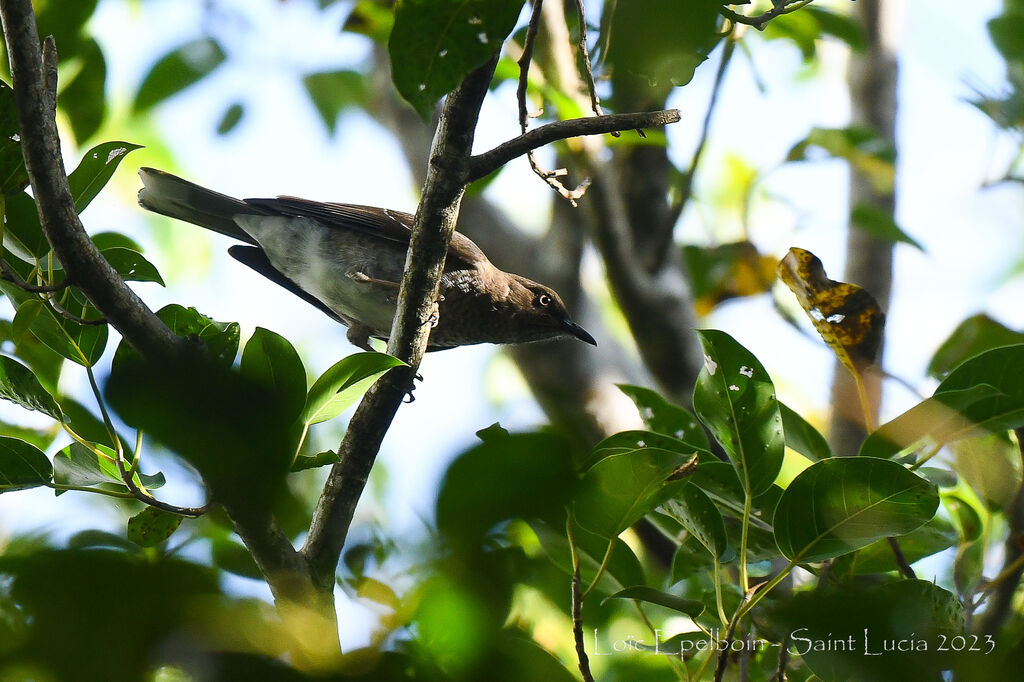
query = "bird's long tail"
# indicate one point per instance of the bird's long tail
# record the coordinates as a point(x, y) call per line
point(171, 196)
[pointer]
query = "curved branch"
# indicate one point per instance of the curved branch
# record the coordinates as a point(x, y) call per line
point(486, 163)
point(761, 20)
point(35, 95)
point(447, 177)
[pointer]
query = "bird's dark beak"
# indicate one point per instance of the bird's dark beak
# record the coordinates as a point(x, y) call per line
point(579, 332)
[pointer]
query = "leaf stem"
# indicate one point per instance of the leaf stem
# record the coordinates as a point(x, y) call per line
point(718, 592)
point(748, 500)
point(86, 489)
point(600, 569)
point(865, 402)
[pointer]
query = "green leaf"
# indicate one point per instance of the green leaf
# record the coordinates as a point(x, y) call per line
point(79, 466)
point(84, 98)
point(880, 224)
point(627, 441)
point(841, 504)
point(13, 174)
point(661, 42)
point(109, 240)
point(434, 45)
point(19, 385)
point(933, 537)
point(690, 607)
point(22, 223)
point(866, 152)
point(221, 338)
point(132, 265)
point(95, 169)
point(695, 512)
point(662, 416)
point(803, 437)
point(903, 614)
point(92, 539)
point(233, 557)
point(522, 475)
point(343, 384)
point(973, 336)
point(270, 359)
point(231, 118)
point(22, 465)
point(321, 459)
point(1007, 33)
point(735, 398)
point(334, 91)
point(81, 343)
point(152, 526)
point(621, 488)
point(177, 70)
point(622, 569)
point(370, 18)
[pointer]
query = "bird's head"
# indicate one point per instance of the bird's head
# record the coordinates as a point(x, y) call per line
point(538, 313)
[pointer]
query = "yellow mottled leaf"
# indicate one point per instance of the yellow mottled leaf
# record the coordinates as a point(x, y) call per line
point(846, 316)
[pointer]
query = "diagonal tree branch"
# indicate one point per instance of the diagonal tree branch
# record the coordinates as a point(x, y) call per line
point(447, 177)
point(489, 161)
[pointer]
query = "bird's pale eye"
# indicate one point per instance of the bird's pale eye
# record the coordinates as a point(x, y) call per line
point(542, 301)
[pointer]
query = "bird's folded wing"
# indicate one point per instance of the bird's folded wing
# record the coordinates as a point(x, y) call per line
point(379, 222)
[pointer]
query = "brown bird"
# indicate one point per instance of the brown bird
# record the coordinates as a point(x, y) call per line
point(348, 260)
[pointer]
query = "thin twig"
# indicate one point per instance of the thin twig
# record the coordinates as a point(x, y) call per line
point(1001, 601)
point(14, 278)
point(723, 657)
point(780, 669)
point(577, 606)
point(901, 561)
point(524, 61)
point(63, 312)
point(761, 20)
point(685, 189)
point(489, 161)
point(588, 68)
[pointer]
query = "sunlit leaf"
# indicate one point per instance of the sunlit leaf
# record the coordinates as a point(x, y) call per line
point(97, 166)
point(132, 265)
point(334, 91)
point(862, 148)
point(343, 384)
point(321, 459)
point(846, 316)
point(621, 488)
point(735, 398)
point(842, 504)
point(880, 224)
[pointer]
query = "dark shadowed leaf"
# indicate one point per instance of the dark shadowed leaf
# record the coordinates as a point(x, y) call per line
point(933, 537)
point(865, 617)
point(434, 45)
point(690, 607)
point(343, 384)
point(21, 221)
point(22, 465)
point(842, 504)
point(95, 169)
point(19, 385)
point(866, 152)
point(626, 441)
point(522, 475)
point(152, 526)
point(220, 338)
point(270, 359)
point(84, 99)
point(735, 398)
point(321, 459)
point(177, 70)
point(662, 42)
point(623, 567)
